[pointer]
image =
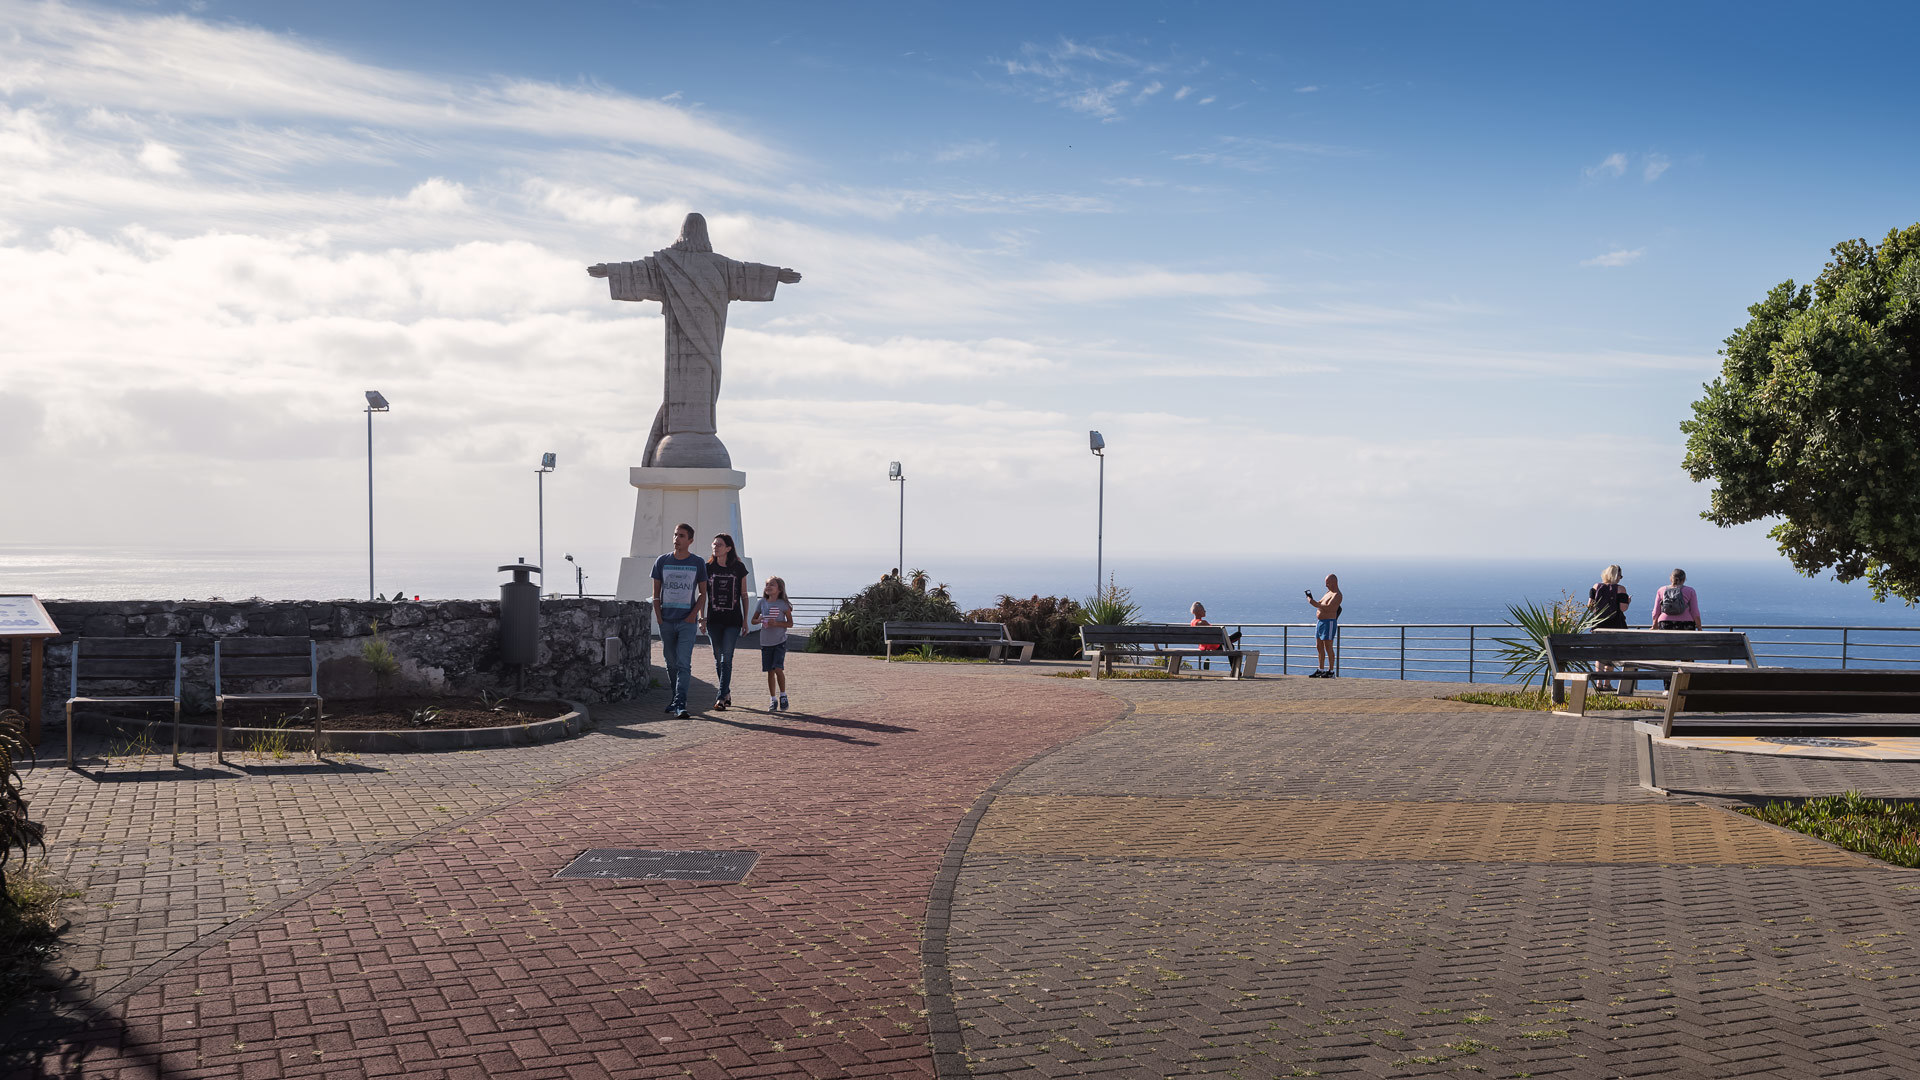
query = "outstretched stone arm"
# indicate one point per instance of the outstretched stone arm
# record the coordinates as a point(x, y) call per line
point(789, 277)
point(629, 280)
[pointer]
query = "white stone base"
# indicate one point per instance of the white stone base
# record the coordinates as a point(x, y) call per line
point(707, 499)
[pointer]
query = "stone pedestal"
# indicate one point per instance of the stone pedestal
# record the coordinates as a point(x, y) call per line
point(707, 499)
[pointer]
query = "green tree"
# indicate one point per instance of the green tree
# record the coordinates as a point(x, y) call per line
point(1815, 419)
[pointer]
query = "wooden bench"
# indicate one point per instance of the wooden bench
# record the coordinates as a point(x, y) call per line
point(124, 660)
point(1175, 641)
point(1705, 700)
point(1633, 650)
point(280, 659)
point(989, 635)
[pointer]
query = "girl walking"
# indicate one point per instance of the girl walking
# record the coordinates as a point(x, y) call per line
point(726, 614)
point(773, 614)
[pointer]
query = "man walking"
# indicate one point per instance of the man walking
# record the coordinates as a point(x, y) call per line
point(1326, 634)
point(679, 595)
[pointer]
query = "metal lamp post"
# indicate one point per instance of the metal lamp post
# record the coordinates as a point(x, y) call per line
point(579, 579)
point(1099, 447)
point(546, 466)
point(894, 474)
point(375, 403)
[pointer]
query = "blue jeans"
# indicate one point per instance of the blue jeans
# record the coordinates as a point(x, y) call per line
point(723, 638)
point(676, 651)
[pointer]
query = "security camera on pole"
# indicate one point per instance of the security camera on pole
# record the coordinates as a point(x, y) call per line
point(546, 466)
point(1099, 447)
point(375, 403)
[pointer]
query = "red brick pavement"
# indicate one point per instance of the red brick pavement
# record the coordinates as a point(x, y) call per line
point(461, 957)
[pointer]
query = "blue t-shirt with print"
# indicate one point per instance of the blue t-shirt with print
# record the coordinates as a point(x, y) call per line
point(679, 583)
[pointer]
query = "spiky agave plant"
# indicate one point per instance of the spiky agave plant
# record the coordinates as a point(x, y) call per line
point(1528, 655)
point(16, 831)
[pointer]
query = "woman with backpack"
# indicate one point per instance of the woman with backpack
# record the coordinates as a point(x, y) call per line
point(1675, 607)
point(1608, 599)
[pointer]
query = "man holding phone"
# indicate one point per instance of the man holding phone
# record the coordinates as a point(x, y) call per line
point(1326, 635)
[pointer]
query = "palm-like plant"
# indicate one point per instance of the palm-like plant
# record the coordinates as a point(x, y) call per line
point(1112, 607)
point(1528, 655)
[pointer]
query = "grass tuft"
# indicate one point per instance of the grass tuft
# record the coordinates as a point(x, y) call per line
point(30, 925)
point(1541, 701)
point(1881, 828)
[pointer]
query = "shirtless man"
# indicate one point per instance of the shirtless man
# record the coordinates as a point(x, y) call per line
point(1327, 608)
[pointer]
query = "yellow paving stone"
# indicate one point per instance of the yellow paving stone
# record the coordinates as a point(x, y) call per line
point(1340, 829)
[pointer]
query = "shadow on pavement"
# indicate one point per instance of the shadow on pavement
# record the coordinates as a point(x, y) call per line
point(797, 733)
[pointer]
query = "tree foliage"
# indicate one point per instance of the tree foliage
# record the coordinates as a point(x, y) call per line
point(1052, 623)
point(858, 624)
point(1815, 418)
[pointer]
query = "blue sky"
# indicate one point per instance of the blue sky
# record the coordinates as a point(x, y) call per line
point(1381, 279)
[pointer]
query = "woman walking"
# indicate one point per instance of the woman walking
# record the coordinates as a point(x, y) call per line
point(726, 613)
point(1676, 607)
point(1609, 600)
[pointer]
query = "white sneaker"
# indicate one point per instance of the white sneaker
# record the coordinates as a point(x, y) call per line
point(783, 703)
point(773, 704)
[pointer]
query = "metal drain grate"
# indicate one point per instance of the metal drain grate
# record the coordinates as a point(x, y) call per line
point(639, 864)
point(1812, 740)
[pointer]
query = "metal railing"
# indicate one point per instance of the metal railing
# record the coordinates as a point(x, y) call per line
point(1468, 652)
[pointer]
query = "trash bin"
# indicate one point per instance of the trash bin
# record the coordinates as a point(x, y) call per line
point(520, 615)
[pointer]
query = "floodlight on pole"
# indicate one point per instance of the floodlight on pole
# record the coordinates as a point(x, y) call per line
point(546, 466)
point(375, 403)
point(1098, 445)
point(895, 475)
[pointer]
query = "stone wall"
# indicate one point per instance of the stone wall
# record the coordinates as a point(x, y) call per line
point(590, 650)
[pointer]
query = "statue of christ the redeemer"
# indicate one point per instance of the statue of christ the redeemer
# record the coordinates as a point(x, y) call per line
point(694, 286)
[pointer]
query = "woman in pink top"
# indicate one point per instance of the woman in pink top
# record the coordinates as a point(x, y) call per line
point(1676, 607)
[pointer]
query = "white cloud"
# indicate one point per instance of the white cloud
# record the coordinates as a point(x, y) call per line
point(437, 195)
point(1616, 257)
point(970, 150)
point(1612, 165)
point(1148, 91)
point(1306, 89)
point(161, 158)
point(188, 67)
point(1656, 164)
point(1181, 94)
point(1208, 100)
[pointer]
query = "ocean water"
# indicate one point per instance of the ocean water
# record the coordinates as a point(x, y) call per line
point(1233, 589)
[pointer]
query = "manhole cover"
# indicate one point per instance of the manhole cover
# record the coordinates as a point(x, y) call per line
point(1812, 740)
point(637, 864)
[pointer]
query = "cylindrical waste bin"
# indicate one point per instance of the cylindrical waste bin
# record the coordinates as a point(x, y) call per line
point(519, 615)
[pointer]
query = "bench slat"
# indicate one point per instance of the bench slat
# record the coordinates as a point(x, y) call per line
point(91, 668)
point(110, 648)
point(265, 667)
point(266, 646)
point(1152, 634)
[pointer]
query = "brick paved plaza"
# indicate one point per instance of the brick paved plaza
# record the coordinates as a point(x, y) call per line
point(969, 870)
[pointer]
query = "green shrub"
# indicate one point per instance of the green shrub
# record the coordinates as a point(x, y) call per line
point(1052, 623)
point(379, 656)
point(16, 830)
point(1112, 607)
point(1531, 698)
point(858, 625)
point(1881, 828)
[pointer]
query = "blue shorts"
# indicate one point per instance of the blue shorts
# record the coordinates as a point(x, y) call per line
point(773, 657)
point(1327, 629)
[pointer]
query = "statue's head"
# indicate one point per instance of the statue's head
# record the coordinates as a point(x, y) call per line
point(693, 235)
